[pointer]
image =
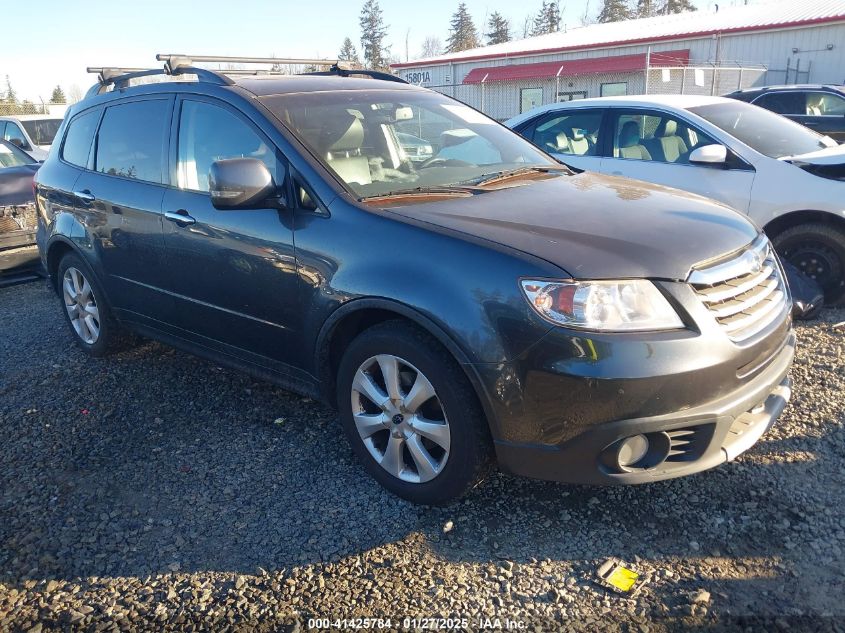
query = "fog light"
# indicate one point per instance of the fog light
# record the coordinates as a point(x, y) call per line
point(632, 450)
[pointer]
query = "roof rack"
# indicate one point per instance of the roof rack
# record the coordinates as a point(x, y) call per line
point(178, 64)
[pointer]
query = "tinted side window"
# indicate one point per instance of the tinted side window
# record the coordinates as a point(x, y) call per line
point(782, 102)
point(14, 134)
point(208, 133)
point(657, 137)
point(572, 133)
point(80, 135)
point(131, 140)
point(825, 104)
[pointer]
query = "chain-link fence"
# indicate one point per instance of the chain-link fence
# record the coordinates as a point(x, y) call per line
point(702, 80)
point(504, 99)
point(25, 107)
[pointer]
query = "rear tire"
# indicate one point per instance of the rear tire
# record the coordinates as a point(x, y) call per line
point(818, 251)
point(430, 443)
point(86, 310)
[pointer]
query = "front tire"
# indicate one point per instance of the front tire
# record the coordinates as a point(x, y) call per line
point(411, 415)
point(86, 311)
point(818, 251)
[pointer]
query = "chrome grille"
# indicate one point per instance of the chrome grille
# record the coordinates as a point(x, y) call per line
point(744, 294)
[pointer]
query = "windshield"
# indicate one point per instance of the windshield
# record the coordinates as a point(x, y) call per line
point(766, 132)
point(11, 156)
point(383, 141)
point(42, 131)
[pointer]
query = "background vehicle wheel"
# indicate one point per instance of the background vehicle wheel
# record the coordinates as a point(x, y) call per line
point(86, 310)
point(410, 414)
point(818, 251)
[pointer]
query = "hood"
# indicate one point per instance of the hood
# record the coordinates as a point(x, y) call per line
point(16, 185)
point(827, 163)
point(597, 227)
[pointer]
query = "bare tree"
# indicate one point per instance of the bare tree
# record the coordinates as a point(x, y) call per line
point(432, 47)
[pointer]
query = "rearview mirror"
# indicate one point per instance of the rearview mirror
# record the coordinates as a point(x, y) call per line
point(241, 183)
point(709, 155)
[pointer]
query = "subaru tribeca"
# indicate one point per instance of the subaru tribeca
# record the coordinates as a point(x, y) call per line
point(484, 304)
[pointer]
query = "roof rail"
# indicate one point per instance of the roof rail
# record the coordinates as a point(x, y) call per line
point(192, 59)
point(184, 65)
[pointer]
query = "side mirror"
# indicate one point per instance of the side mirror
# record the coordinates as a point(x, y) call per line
point(714, 155)
point(241, 183)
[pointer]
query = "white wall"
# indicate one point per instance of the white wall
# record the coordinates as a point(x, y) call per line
point(770, 48)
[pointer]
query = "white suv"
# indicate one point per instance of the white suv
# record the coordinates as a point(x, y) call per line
point(789, 179)
point(33, 133)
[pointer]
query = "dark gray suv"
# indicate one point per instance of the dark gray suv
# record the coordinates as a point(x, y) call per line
point(484, 304)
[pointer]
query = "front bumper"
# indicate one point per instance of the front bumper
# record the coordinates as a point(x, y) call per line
point(561, 410)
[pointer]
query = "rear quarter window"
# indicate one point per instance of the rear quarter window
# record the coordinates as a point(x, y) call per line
point(80, 135)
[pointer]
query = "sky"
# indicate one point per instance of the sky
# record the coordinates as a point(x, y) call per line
point(57, 39)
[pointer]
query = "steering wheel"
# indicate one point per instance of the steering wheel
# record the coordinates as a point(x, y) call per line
point(445, 162)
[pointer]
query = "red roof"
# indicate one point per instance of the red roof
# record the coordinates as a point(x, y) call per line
point(572, 67)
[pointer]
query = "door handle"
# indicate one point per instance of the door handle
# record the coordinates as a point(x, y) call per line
point(616, 173)
point(180, 217)
point(84, 196)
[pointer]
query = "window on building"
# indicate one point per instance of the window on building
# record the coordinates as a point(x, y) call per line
point(614, 89)
point(530, 98)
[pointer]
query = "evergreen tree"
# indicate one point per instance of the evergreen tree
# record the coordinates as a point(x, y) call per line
point(463, 34)
point(373, 32)
point(58, 95)
point(614, 11)
point(547, 19)
point(678, 6)
point(500, 29)
point(348, 52)
point(11, 95)
point(646, 8)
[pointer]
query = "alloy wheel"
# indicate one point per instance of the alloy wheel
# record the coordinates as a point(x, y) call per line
point(400, 419)
point(81, 305)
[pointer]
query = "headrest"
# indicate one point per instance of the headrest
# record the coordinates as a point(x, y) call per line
point(342, 134)
point(577, 134)
point(629, 135)
point(668, 128)
point(562, 140)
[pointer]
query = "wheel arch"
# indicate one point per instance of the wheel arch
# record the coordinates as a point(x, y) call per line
point(796, 218)
point(56, 250)
point(357, 315)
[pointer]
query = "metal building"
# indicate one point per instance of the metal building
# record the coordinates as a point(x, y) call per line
point(705, 52)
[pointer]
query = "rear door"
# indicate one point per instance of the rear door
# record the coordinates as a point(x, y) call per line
point(572, 136)
point(120, 198)
point(654, 146)
point(825, 113)
point(233, 272)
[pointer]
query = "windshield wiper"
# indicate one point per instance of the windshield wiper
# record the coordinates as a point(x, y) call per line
point(437, 189)
point(489, 179)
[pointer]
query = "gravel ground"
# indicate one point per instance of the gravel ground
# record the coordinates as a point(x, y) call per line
point(153, 490)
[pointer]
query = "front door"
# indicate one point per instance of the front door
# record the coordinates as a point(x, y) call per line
point(233, 272)
point(655, 146)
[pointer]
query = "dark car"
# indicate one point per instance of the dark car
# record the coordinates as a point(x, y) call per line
point(18, 252)
point(821, 108)
point(577, 327)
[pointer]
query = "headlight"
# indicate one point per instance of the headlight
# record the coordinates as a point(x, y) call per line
point(614, 306)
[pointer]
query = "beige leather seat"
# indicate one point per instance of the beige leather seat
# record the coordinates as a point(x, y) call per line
point(629, 142)
point(341, 141)
point(579, 143)
point(563, 144)
point(668, 146)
